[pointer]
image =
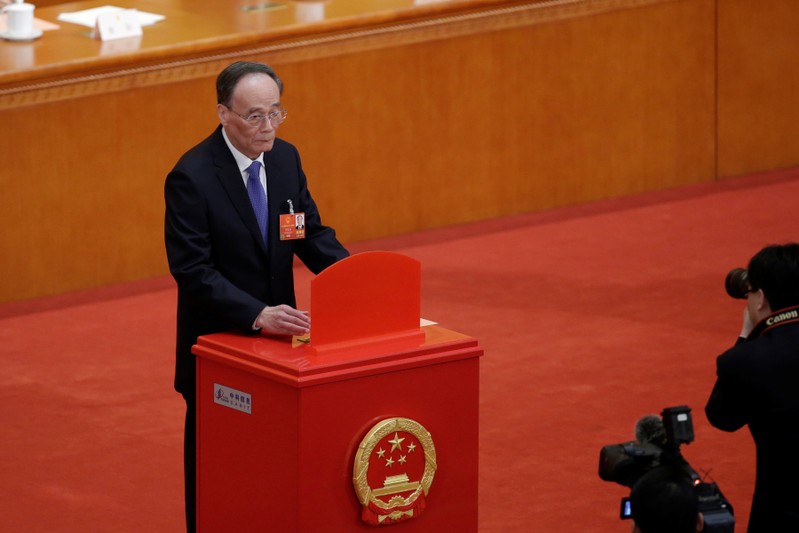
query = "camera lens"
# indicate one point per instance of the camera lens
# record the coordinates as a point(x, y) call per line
point(737, 283)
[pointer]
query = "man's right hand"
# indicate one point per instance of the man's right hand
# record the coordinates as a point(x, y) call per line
point(283, 320)
point(746, 326)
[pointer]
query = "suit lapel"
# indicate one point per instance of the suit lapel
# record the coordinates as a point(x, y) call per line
point(229, 176)
point(275, 193)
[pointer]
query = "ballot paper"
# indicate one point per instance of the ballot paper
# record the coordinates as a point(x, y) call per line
point(88, 17)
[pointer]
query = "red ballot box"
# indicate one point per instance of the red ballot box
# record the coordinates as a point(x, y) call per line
point(372, 423)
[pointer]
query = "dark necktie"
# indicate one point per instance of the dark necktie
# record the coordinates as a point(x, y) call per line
point(258, 197)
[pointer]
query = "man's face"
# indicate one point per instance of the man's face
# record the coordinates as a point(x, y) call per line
point(255, 94)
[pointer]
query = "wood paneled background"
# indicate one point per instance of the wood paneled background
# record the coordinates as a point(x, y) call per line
point(447, 114)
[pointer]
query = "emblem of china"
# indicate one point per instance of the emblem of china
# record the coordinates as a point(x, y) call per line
point(393, 471)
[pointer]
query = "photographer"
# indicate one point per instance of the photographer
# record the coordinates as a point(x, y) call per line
point(664, 501)
point(758, 382)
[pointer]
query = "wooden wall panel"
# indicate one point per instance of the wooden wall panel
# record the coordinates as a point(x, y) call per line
point(82, 202)
point(401, 128)
point(442, 132)
point(758, 85)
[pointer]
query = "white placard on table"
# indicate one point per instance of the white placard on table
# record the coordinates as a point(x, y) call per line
point(111, 22)
point(117, 25)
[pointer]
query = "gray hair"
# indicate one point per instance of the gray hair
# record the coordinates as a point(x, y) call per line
point(228, 78)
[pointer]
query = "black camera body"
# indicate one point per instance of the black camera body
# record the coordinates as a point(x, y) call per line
point(658, 444)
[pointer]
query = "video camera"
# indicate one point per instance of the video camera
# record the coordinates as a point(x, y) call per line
point(658, 441)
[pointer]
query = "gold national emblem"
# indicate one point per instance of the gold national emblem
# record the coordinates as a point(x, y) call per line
point(393, 471)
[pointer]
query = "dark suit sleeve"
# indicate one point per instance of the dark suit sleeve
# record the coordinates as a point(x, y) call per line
point(188, 245)
point(729, 405)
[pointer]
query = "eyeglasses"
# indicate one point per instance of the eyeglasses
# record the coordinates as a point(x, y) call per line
point(275, 117)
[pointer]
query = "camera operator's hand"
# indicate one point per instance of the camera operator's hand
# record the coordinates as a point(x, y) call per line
point(747, 326)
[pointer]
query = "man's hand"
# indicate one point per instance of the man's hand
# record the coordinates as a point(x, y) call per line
point(283, 320)
point(747, 326)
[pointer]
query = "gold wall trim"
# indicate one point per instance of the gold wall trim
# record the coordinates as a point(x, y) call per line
point(292, 50)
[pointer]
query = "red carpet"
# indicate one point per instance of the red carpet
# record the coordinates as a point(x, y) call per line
point(590, 317)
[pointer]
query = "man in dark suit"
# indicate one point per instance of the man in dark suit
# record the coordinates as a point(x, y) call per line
point(224, 198)
point(757, 385)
